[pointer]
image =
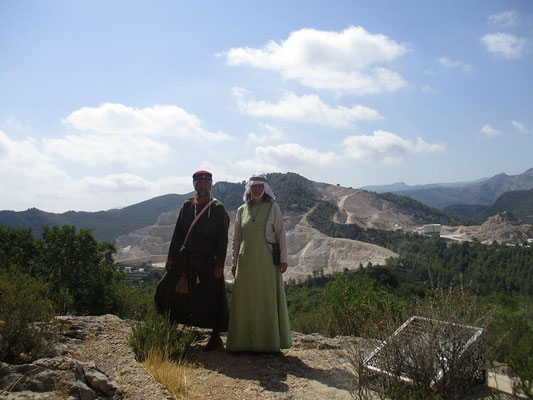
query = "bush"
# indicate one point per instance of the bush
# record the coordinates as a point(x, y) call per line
point(512, 343)
point(358, 306)
point(435, 347)
point(157, 333)
point(25, 316)
point(137, 302)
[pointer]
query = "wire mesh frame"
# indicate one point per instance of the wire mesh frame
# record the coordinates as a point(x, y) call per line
point(464, 345)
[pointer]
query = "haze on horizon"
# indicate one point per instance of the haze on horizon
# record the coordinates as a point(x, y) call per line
point(106, 104)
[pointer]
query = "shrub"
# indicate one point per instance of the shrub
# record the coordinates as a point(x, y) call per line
point(358, 306)
point(437, 347)
point(512, 338)
point(158, 333)
point(25, 314)
point(137, 302)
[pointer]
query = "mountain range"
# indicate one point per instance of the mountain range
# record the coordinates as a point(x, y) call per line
point(329, 227)
point(483, 192)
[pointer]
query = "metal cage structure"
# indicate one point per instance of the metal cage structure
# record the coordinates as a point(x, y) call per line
point(430, 351)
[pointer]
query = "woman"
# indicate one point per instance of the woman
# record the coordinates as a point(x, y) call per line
point(259, 320)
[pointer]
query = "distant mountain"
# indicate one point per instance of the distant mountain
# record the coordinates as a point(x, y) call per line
point(106, 225)
point(481, 193)
point(402, 186)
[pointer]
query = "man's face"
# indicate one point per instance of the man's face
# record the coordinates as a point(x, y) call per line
point(203, 188)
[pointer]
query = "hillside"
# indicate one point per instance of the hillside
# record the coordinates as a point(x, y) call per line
point(106, 225)
point(482, 193)
point(518, 202)
point(310, 246)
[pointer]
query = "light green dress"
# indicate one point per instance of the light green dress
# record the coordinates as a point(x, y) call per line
point(259, 320)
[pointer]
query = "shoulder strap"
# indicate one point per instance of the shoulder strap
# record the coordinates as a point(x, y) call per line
point(266, 219)
point(196, 219)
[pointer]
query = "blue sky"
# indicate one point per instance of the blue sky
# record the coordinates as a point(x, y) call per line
point(105, 104)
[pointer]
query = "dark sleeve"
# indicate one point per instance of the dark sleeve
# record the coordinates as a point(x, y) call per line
point(222, 234)
point(179, 234)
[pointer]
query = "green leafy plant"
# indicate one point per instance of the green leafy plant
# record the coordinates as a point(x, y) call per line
point(157, 332)
point(25, 316)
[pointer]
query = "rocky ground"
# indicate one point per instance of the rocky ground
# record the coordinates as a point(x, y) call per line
point(93, 360)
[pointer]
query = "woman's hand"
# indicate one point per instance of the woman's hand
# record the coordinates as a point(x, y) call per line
point(282, 267)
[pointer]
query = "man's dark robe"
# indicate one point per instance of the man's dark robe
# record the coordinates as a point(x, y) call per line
point(204, 304)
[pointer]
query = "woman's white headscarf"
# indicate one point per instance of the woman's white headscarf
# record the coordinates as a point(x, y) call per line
point(256, 179)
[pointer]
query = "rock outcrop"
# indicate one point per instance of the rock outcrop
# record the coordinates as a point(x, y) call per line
point(505, 228)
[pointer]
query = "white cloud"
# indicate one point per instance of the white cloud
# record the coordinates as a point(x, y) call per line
point(287, 156)
point(489, 130)
point(308, 109)
point(521, 128)
point(504, 20)
point(94, 150)
point(385, 147)
point(506, 44)
point(114, 134)
point(273, 134)
point(28, 174)
point(31, 179)
point(159, 120)
point(447, 63)
point(344, 62)
point(126, 182)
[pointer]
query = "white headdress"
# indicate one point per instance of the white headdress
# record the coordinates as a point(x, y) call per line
point(256, 179)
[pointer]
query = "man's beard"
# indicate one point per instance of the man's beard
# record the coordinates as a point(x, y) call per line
point(203, 193)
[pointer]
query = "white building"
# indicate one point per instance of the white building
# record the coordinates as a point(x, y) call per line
point(432, 228)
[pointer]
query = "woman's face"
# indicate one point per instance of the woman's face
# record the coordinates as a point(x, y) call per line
point(257, 190)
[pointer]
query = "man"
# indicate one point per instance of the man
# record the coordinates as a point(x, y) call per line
point(193, 290)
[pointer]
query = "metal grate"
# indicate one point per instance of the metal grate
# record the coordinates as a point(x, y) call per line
point(429, 350)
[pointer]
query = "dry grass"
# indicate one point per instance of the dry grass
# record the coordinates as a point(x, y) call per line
point(171, 374)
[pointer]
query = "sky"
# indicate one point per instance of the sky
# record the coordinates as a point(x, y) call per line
point(104, 104)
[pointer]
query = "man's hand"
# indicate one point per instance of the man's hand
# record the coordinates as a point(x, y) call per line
point(219, 272)
point(168, 264)
point(282, 267)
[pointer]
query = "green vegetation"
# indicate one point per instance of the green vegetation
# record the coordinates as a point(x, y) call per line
point(518, 202)
point(467, 210)
point(24, 312)
point(321, 218)
point(230, 194)
point(293, 192)
point(374, 302)
point(79, 272)
point(157, 333)
point(494, 268)
point(424, 213)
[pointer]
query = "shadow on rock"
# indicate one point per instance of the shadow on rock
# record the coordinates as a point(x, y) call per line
point(270, 370)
